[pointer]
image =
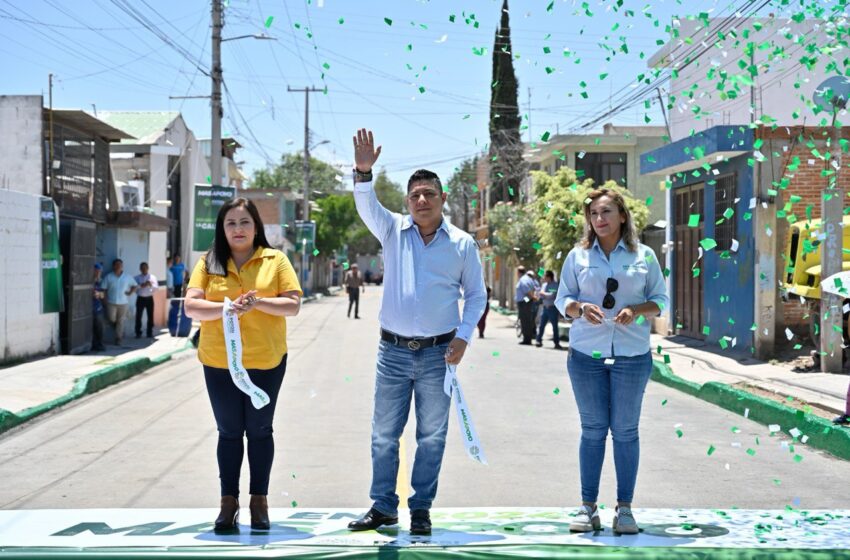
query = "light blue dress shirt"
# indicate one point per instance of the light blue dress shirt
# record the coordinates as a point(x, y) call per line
point(584, 277)
point(525, 285)
point(423, 283)
point(117, 286)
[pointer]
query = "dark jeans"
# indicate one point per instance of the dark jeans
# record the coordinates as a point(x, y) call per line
point(354, 299)
point(144, 304)
point(235, 417)
point(97, 331)
point(526, 320)
point(549, 315)
point(482, 322)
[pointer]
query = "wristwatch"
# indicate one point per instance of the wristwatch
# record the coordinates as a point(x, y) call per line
point(361, 177)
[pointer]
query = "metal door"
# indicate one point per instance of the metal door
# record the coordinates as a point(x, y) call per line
point(688, 310)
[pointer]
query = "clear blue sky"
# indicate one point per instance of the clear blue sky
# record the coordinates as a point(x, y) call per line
point(101, 56)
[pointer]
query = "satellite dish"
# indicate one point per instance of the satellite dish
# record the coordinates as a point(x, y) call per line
point(833, 93)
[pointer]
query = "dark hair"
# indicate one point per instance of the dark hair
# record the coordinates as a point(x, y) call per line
point(117, 261)
point(549, 273)
point(520, 269)
point(143, 264)
point(218, 255)
point(424, 176)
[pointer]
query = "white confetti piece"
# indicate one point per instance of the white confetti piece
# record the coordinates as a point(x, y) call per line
point(788, 334)
point(735, 245)
point(609, 361)
point(804, 439)
point(752, 203)
point(746, 413)
point(795, 432)
point(442, 39)
point(726, 466)
point(773, 428)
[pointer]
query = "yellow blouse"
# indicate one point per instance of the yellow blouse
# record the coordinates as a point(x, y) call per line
point(263, 336)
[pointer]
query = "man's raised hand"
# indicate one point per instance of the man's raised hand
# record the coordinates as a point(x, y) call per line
point(365, 154)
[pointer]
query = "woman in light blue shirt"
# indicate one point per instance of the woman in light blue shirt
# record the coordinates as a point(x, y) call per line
point(610, 284)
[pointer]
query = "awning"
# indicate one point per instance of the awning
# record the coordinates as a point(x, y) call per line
point(707, 147)
point(138, 220)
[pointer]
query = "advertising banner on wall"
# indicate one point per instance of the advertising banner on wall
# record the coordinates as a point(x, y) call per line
point(208, 200)
point(52, 298)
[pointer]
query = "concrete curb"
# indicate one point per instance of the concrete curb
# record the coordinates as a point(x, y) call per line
point(86, 385)
point(822, 434)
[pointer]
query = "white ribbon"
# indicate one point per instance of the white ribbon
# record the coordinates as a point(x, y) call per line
point(464, 417)
point(233, 344)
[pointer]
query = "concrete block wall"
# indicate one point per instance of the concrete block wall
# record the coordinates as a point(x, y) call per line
point(24, 330)
point(21, 167)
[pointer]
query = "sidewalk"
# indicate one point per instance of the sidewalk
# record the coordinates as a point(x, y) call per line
point(32, 388)
point(799, 404)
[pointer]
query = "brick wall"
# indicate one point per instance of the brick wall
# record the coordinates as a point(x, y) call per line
point(806, 182)
point(24, 330)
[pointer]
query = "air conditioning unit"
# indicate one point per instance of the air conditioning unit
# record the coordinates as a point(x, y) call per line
point(132, 196)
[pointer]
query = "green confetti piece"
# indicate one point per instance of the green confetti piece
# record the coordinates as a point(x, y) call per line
point(597, 354)
point(550, 6)
point(557, 391)
point(294, 503)
point(495, 354)
point(649, 201)
point(550, 70)
point(706, 330)
point(798, 458)
point(388, 21)
point(711, 449)
point(751, 452)
point(545, 136)
point(640, 320)
point(209, 179)
point(693, 220)
point(341, 21)
point(708, 244)
point(315, 252)
point(603, 76)
point(326, 66)
point(667, 357)
point(664, 402)
point(269, 21)
point(679, 433)
point(421, 89)
point(536, 246)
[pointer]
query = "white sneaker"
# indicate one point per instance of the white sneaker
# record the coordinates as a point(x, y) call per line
point(624, 522)
point(585, 520)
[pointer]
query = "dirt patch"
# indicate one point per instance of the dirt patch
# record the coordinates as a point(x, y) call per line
point(788, 400)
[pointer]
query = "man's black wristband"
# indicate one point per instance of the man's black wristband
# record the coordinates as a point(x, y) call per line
point(361, 177)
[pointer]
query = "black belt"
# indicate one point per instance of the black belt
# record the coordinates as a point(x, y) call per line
point(418, 342)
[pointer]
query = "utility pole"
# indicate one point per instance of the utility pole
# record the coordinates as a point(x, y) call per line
point(307, 91)
point(530, 137)
point(50, 168)
point(832, 200)
point(215, 142)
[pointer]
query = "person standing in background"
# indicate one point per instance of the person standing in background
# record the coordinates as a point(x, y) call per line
point(97, 311)
point(148, 284)
point(118, 286)
point(353, 285)
point(169, 279)
point(524, 298)
point(550, 314)
point(178, 275)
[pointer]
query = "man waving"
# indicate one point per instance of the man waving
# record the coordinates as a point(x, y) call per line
point(429, 265)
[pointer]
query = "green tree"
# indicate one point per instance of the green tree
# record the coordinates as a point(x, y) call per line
point(333, 222)
point(288, 175)
point(390, 194)
point(559, 212)
point(512, 233)
point(462, 192)
point(507, 168)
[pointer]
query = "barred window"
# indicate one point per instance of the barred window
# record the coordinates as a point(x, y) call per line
point(725, 192)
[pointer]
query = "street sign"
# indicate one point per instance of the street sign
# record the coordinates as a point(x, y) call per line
point(208, 201)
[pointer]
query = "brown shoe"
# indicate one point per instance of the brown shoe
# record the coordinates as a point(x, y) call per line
point(228, 517)
point(260, 513)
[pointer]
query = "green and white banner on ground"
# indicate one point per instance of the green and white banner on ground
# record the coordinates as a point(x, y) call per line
point(467, 532)
point(208, 201)
point(52, 298)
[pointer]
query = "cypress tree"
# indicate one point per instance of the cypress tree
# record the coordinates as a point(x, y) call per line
point(507, 168)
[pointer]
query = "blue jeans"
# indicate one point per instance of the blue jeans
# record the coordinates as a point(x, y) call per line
point(609, 397)
point(237, 418)
point(550, 315)
point(401, 374)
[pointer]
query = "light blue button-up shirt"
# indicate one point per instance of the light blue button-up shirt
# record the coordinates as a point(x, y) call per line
point(117, 286)
point(423, 283)
point(584, 277)
point(524, 285)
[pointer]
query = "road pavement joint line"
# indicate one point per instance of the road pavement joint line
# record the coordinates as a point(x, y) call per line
point(822, 433)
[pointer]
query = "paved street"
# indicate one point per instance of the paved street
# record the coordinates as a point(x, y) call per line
point(150, 441)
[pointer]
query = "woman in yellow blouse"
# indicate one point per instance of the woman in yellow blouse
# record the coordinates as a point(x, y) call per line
point(260, 281)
